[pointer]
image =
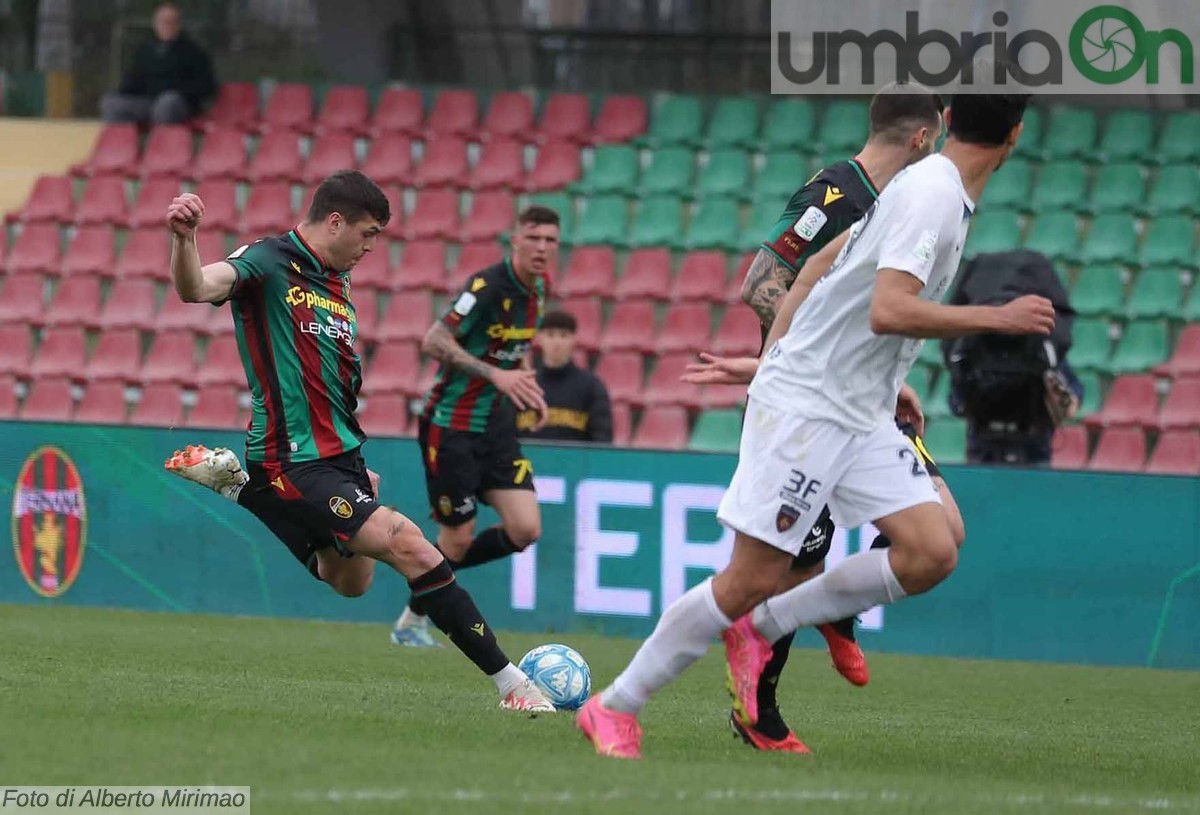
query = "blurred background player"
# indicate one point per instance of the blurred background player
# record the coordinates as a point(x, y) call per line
point(468, 429)
point(579, 409)
point(307, 479)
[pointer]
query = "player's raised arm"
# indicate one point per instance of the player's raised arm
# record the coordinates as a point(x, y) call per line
point(194, 283)
point(898, 308)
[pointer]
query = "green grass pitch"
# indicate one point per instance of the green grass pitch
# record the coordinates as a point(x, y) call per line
point(319, 717)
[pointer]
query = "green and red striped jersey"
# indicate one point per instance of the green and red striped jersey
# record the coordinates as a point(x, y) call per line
point(494, 318)
point(295, 330)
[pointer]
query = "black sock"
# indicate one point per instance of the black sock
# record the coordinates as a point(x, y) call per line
point(490, 544)
point(772, 724)
point(453, 611)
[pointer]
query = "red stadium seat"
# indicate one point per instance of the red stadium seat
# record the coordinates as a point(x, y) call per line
point(21, 299)
point(739, 334)
point(220, 207)
point(115, 153)
point(566, 117)
point(278, 158)
point(587, 314)
point(63, 352)
point(172, 358)
point(373, 273)
point(1069, 449)
point(1131, 400)
point(177, 316)
point(395, 228)
point(647, 275)
point(345, 109)
point(268, 210)
point(212, 245)
point(159, 406)
point(104, 202)
point(92, 252)
point(664, 427)
point(147, 253)
point(557, 165)
point(366, 318)
point(473, 258)
point(330, 153)
point(733, 294)
point(102, 403)
point(622, 418)
point(455, 113)
point(155, 195)
point(50, 200)
point(168, 152)
point(1181, 409)
point(630, 327)
point(289, 108)
point(3, 248)
point(664, 386)
point(491, 213)
point(501, 165)
point(222, 155)
point(400, 111)
point(510, 115)
point(408, 317)
point(687, 328)
point(389, 161)
point(37, 249)
point(16, 350)
point(1177, 453)
point(117, 356)
point(130, 304)
point(216, 407)
point(77, 302)
point(1186, 359)
point(1120, 449)
point(444, 164)
point(49, 400)
point(722, 396)
point(222, 364)
point(591, 271)
point(423, 267)
point(620, 119)
point(385, 416)
point(434, 216)
point(621, 373)
point(701, 277)
point(236, 106)
point(8, 397)
point(395, 368)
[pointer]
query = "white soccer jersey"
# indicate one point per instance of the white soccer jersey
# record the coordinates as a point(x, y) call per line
point(830, 365)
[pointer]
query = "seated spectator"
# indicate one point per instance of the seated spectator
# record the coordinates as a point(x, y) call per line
point(170, 80)
point(578, 401)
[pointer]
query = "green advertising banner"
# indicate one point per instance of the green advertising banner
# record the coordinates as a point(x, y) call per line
point(1070, 567)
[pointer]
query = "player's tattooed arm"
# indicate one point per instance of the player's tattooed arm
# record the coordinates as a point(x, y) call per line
point(767, 281)
point(440, 344)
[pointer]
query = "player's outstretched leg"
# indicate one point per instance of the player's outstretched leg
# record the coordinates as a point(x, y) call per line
point(217, 469)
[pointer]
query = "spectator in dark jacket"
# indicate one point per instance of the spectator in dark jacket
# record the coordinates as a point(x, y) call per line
point(170, 80)
point(578, 401)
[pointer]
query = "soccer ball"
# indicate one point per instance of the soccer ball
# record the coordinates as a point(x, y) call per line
point(561, 673)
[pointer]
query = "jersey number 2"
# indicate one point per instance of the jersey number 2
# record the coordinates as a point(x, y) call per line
point(909, 453)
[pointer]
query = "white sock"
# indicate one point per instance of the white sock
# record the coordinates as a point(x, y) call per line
point(408, 619)
point(682, 635)
point(853, 586)
point(508, 678)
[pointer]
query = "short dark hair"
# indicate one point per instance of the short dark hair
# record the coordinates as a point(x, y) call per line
point(561, 320)
point(898, 107)
point(986, 118)
point(537, 215)
point(352, 194)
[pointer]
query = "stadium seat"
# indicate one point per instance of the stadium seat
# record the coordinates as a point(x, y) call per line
point(1030, 143)
point(1100, 291)
point(605, 221)
point(763, 216)
point(168, 152)
point(49, 400)
point(236, 106)
point(614, 169)
point(647, 275)
point(62, 352)
point(115, 153)
point(373, 273)
point(16, 350)
point(726, 174)
point(622, 417)
point(50, 201)
point(992, 230)
point(1176, 453)
point(1111, 239)
point(1128, 136)
point(670, 172)
point(1185, 361)
point(153, 198)
point(222, 364)
point(723, 397)
point(501, 165)
point(701, 277)
point(1191, 309)
point(1070, 133)
point(1143, 345)
point(427, 377)
point(216, 407)
point(172, 358)
point(1117, 188)
point(678, 120)
point(1181, 408)
point(588, 316)
point(159, 406)
point(221, 155)
point(630, 327)
point(422, 267)
point(147, 253)
point(366, 316)
point(444, 164)
point(345, 109)
point(102, 403)
point(277, 158)
point(1176, 189)
point(686, 327)
point(8, 397)
point(1069, 448)
point(734, 123)
point(400, 111)
point(664, 385)
point(268, 210)
point(789, 126)
point(1157, 292)
point(117, 357)
point(1056, 235)
point(620, 119)
point(782, 173)
point(220, 207)
point(407, 318)
point(715, 225)
point(739, 334)
point(1170, 241)
point(1010, 187)
point(566, 117)
point(385, 416)
point(621, 373)
point(331, 152)
point(395, 368)
point(21, 299)
point(1131, 400)
point(131, 303)
point(657, 221)
point(1120, 449)
point(104, 202)
point(664, 427)
point(93, 251)
point(946, 440)
point(843, 129)
point(454, 113)
point(1061, 187)
point(76, 303)
point(1179, 140)
point(473, 258)
point(389, 160)
point(557, 165)
point(717, 431)
point(1091, 344)
point(491, 213)
point(1093, 393)
point(509, 116)
point(289, 108)
point(733, 294)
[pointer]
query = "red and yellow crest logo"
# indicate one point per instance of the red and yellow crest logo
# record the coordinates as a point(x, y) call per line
point(49, 521)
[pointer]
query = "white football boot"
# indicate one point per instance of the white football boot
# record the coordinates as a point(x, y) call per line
point(218, 469)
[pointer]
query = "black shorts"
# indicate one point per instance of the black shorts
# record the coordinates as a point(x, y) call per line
point(460, 466)
point(311, 505)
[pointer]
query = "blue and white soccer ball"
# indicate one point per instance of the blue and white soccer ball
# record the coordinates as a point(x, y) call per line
point(561, 673)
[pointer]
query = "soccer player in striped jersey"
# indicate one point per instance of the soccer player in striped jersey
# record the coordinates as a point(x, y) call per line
point(306, 479)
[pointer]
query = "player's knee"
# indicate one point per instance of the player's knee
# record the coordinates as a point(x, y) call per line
point(353, 585)
point(454, 541)
point(936, 560)
point(523, 534)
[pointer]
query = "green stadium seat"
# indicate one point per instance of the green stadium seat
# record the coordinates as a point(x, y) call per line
point(1176, 188)
point(931, 356)
point(1144, 344)
point(1061, 186)
point(1128, 136)
point(734, 123)
point(789, 126)
point(718, 431)
point(714, 225)
point(1010, 187)
point(1091, 345)
point(1071, 133)
point(1191, 308)
point(763, 216)
point(1170, 241)
point(1030, 143)
point(605, 220)
point(726, 174)
point(561, 203)
point(918, 380)
point(937, 406)
point(1100, 291)
point(781, 175)
point(946, 440)
point(1093, 393)
point(996, 230)
point(671, 172)
point(1055, 235)
point(844, 127)
point(614, 170)
point(1117, 188)
point(1112, 238)
point(679, 120)
point(1157, 293)
point(1179, 140)
point(657, 221)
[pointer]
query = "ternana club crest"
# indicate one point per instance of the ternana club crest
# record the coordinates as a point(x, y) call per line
point(49, 521)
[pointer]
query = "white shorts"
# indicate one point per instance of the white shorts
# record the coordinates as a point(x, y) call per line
point(789, 468)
